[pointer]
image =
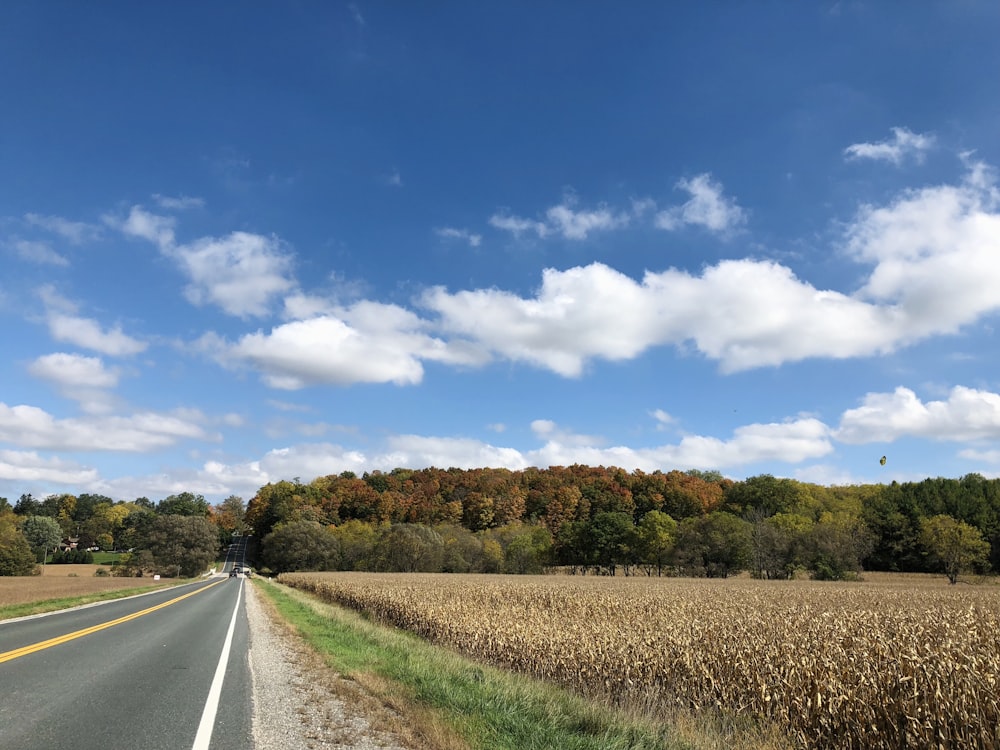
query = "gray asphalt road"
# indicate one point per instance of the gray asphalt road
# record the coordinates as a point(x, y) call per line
point(143, 683)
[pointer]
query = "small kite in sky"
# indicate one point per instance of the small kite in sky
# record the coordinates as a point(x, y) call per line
point(882, 460)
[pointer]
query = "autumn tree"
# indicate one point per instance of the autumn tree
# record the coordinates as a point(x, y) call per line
point(229, 515)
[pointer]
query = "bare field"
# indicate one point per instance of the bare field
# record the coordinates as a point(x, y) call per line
point(889, 663)
point(59, 581)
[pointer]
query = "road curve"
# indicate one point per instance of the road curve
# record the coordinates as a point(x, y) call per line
point(132, 673)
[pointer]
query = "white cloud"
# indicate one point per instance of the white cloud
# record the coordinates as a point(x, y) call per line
point(147, 226)
point(74, 370)
point(563, 220)
point(516, 225)
point(744, 313)
point(88, 334)
point(663, 419)
point(792, 442)
point(179, 203)
point(576, 225)
point(28, 466)
point(67, 327)
point(75, 232)
point(967, 414)
point(904, 143)
point(241, 273)
point(936, 258)
point(365, 343)
point(708, 208)
point(461, 453)
point(39, 252)
point(936, 253)
point(31, 427)
point(460, 234)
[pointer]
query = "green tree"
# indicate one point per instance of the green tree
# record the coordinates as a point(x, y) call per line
point(184, 504)
point(42, 533)
point(183, 545)
point(716, 545)
point(526, 548)
point(656, 536)
point(16, 556)
point(410, 548)
point(357, 541)
point(954, 546)
point(300, 545)
point(836, 546)
point(26, 505)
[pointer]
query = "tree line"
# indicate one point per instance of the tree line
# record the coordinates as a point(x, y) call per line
point(178, 536)
point(587, 519)
point(610, 521)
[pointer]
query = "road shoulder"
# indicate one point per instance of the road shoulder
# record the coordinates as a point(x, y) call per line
point(299, 701)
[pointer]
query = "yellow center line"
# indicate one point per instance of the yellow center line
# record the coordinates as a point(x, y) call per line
point(41, 645)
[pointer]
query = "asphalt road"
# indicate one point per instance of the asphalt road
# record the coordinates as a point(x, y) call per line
point(147, 682)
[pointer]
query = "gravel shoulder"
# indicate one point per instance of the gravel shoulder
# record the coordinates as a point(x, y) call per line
point(299, 703)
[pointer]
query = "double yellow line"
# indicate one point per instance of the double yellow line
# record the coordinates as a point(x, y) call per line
point(42, 645)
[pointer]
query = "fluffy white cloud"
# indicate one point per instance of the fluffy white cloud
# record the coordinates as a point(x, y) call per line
point(903, 143)
point(936, 253)
point(241, 273)
point(88, 334)
point(28, 466)
point(146, 225)
point(31, 427)
point(64, 325)
point(936, 258)
point(708, 208)
point(74, 370)
point(792, 441)
point(743, 313)
point(365, 343)
point(461, 453)
point(967, 414)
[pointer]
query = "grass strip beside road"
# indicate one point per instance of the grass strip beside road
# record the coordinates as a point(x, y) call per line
point(26, 609)
point(489, 709)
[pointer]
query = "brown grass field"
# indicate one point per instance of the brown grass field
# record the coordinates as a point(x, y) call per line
point(59, 581)
point(893, 662)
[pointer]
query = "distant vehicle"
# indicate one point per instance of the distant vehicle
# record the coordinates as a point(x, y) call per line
point(248, 572)
point(234, 573)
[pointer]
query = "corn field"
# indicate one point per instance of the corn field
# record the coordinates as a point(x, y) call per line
point(891, 665)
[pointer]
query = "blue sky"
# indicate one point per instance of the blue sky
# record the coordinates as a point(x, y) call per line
point(245, 242)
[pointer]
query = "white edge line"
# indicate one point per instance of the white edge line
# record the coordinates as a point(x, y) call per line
point(204, 736)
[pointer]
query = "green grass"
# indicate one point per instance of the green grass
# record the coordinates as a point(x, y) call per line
point(105, 558)
point(51, 605)
point(490, 709)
